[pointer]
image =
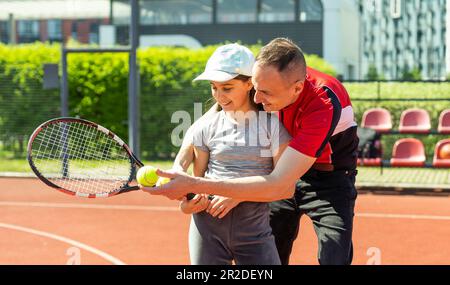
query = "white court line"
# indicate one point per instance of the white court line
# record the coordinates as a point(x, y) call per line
point(403, 216)
point(87, 206)
point(172, 209)
point(91, 249)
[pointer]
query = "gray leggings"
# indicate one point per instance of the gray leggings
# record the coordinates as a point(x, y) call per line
point(243, 235)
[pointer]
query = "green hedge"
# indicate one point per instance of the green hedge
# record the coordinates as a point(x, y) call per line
point(98, 91)
point(23, 103)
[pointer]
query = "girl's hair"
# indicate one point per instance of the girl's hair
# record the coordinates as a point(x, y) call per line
point(252, 92)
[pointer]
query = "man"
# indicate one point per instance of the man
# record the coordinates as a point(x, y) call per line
point(316, 110)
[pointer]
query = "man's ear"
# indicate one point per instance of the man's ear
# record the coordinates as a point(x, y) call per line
point(299, 86)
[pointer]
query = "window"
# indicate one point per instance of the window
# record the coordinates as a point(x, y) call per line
point(169, 12)
point(350, 72)
point(4, 34)
point(54, 30)
point(310, 10)
point(236, 11)
point(93, 33)
point(28, 31)
point(373, 6)
point(121, 12)
point(277, 11)
point(74, 33)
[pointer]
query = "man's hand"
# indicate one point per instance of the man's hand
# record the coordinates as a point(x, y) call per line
point(179, 185)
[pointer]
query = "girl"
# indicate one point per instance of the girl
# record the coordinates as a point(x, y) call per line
point(236, 141)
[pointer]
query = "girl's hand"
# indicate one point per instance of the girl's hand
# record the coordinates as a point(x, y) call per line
point(220, 206)
point(199, 203)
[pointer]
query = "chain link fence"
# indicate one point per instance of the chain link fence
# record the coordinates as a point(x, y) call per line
point(22, 108)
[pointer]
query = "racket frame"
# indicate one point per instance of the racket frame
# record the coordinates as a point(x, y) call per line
point(135, 163)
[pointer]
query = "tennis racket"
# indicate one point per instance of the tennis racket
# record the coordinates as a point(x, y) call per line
point(82, 158)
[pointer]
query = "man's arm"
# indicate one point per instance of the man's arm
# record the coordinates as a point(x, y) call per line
point(278, 153)
point(280, 184)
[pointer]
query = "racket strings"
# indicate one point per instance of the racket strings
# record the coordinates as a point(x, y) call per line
point(80, 158)
point(87, 156)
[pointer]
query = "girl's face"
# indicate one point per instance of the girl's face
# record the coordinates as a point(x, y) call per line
point(232, 95)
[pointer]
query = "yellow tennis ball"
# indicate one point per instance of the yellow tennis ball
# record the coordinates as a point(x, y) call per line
point(146, 176)
point(162, 181)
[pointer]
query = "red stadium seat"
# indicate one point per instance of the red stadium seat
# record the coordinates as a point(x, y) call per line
point(378, 119)
point(408, 152)
point(415, 121)
point(439, 160)
point(444, 122)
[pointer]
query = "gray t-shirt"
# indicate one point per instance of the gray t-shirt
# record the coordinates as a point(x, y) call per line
point(240, 146)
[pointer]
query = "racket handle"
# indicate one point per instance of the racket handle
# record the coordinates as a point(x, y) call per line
point(191, 196)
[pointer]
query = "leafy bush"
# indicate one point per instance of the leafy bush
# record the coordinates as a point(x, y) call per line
point(98, 88)
point(413, 74)
point(372, 73)
point(23, 103)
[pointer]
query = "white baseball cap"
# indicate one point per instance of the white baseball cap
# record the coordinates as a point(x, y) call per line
point(227, 62)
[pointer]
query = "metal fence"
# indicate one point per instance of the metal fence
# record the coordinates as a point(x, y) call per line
point(398, 90)
point(25, 106)
point(22, 108)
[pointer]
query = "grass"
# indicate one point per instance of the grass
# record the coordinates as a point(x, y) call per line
point(22, 166)
point(388, 90)
point(14, 165)
point(406, 177)
point(391, 177)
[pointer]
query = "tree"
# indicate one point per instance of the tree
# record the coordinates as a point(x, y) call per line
point(372, 73)
point(413, 74)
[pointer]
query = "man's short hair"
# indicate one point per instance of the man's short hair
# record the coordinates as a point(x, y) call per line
point(283, 54)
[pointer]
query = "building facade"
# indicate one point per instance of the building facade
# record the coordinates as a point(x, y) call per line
point(328, 28)
point(400, 36)
point(216, 21)
point(392, 37)
point(25, 21)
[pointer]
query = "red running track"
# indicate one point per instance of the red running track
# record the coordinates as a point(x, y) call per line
point(39, 225)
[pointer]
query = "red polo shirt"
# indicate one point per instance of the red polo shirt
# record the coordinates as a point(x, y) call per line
point(321, 122)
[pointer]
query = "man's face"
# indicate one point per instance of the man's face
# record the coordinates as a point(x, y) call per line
point(274, 90)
